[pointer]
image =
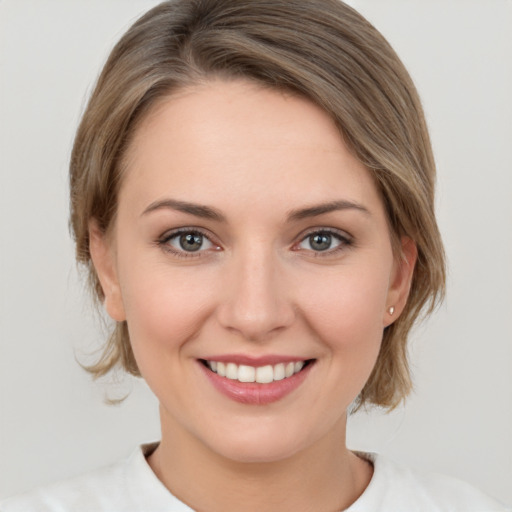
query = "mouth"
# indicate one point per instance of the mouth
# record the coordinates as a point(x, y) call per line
point(259, 383)
point(265, 374)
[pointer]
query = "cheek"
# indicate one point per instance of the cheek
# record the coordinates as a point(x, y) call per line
point(164, 308)
point(348, 302)
point(346, 316)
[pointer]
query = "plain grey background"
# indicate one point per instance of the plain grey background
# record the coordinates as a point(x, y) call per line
point(53, 422)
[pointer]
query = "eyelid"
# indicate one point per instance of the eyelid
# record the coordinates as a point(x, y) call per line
point(339, 233)
point(346, 240)
point(163, 240)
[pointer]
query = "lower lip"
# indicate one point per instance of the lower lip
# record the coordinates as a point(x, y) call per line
point(253, 393)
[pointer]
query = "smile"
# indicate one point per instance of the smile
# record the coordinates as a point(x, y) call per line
point(256, 384)
point(260, 374)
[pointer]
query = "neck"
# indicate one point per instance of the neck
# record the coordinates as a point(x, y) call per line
point(323, 476)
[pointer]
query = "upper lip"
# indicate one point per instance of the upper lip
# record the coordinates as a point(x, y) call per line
point(256, 361)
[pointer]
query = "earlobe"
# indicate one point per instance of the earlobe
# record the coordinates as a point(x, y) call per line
point(103, 259)
point(401, 280)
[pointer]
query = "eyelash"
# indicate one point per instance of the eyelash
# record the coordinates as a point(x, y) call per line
point(345, 241)
point(164, 240)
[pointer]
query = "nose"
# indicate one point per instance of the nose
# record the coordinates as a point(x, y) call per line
point(255, 299)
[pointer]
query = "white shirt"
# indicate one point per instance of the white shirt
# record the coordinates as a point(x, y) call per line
point(131, 486)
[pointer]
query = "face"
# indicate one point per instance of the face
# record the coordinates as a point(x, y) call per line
point(252, 261)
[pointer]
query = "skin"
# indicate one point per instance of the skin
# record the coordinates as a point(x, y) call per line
point(257, 286)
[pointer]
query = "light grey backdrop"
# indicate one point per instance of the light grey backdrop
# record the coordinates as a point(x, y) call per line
point(53, 422)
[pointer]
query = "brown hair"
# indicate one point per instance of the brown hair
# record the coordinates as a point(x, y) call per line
point(320, 49)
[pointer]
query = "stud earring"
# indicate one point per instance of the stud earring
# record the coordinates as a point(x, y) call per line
point(391, 310)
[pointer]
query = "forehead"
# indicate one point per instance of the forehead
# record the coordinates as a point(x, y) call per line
point(239, 141)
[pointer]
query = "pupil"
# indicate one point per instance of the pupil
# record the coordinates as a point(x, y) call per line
point(191, 241)
point(320, 242)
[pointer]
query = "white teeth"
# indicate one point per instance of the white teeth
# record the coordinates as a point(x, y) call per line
point(232, 371)
point(221, 369)
point(246, 373)
point(262, 374)
point(279, 371)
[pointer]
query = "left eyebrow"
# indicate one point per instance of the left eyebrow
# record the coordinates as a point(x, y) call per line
point(320, 209)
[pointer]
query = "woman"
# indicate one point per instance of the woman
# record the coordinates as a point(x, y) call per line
point(252, 189)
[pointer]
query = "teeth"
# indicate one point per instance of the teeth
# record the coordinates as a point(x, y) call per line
point(261, 374)
point(221, 369)
point(279, 373)
point(264, 374)
point(246, 373)
point(232, 371)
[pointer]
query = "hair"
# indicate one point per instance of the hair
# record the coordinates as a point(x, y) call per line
point(322, 50)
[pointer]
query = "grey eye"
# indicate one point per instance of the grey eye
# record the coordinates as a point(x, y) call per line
point(320, 241)
point(323, 241)
point(190, 241)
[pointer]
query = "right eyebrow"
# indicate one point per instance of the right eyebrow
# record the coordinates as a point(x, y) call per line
point(198, 210)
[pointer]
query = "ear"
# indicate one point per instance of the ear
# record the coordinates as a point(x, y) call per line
point(104, 261)
point(401, 279)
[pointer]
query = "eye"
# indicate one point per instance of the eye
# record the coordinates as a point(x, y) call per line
point(324, 241)
point(190, 242)
point(186, 242)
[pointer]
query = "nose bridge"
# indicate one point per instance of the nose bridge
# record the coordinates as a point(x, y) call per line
point(255, 303)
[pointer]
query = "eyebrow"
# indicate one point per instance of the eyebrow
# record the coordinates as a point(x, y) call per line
point(198, 210)
point(207, 212)
point(322, 208)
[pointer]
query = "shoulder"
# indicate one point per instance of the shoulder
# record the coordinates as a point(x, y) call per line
point(128, 486)
point(92, 491)
point(397, 488)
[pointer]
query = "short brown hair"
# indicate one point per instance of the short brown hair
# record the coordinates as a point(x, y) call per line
point(321, 49)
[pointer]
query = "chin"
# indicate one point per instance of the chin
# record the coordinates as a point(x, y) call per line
point(257, 451)
point(268, 443)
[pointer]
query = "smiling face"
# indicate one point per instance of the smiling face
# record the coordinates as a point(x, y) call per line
point(252, 261)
